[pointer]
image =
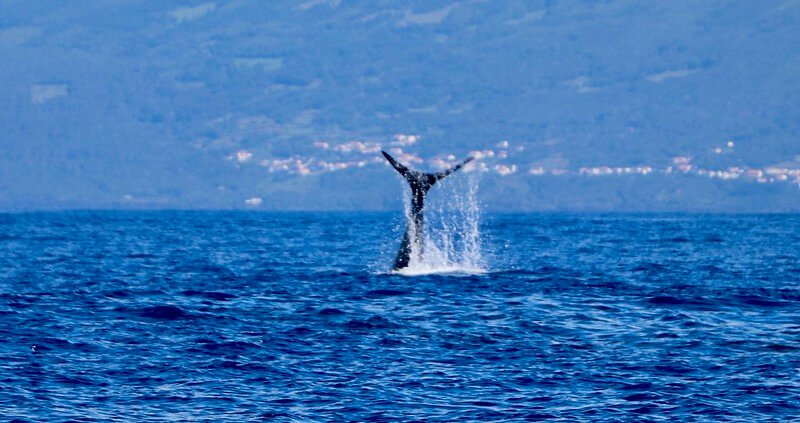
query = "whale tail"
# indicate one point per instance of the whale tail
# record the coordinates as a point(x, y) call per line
point(415, 177)
point(420, 183)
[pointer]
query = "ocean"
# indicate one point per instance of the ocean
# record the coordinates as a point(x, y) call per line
point(258, 316)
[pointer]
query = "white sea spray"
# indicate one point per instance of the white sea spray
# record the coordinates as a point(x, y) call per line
point(451, 233)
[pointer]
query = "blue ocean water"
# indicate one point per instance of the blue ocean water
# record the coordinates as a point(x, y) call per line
point(295, 317)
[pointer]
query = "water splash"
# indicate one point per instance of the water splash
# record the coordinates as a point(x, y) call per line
point(451, 235)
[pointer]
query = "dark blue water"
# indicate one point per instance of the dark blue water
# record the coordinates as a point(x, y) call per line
point(251, 316)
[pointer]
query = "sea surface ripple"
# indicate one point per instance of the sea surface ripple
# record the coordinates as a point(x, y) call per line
point(165, 316)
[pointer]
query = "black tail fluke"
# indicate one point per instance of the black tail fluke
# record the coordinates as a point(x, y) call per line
point(433, 177)
point(442, 174)
point(397, 165)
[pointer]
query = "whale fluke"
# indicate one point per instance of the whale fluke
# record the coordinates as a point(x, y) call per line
point(420, 183)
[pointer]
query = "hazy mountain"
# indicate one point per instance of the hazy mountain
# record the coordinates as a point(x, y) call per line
point(195, 104)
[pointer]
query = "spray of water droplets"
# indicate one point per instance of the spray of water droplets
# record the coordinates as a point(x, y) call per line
point(451, 235)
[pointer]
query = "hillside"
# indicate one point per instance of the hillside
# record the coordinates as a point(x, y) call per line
point(143, 104)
